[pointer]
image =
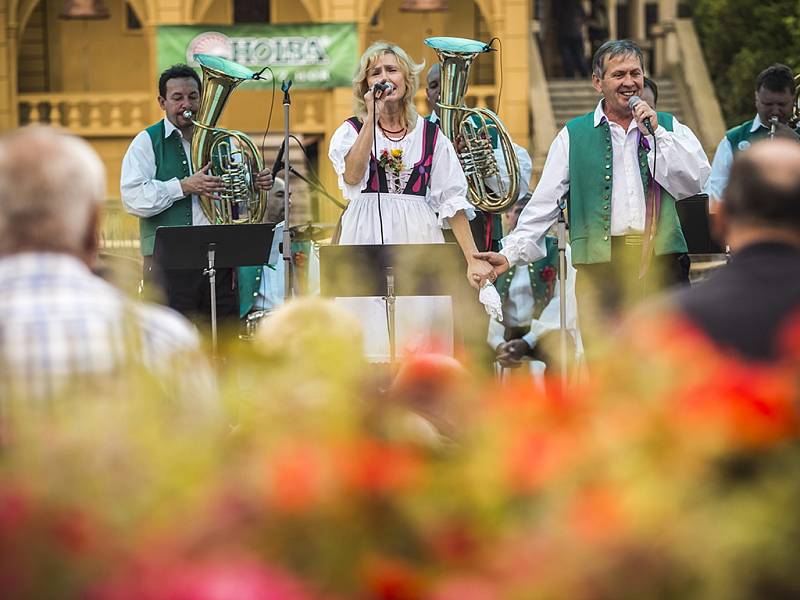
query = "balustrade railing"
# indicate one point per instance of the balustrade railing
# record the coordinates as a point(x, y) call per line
point(478, 96)
point(90, 115)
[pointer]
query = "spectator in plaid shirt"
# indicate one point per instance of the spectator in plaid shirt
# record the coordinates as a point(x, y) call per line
point(59, 323)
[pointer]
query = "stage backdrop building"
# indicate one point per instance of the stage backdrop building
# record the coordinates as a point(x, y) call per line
point(97, 76)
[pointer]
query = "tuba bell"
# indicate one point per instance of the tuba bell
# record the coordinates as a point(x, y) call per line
point(475, 126)
point(232, 154)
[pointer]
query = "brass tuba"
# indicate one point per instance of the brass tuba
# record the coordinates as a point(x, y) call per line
point(474, 126)
point(232, 154)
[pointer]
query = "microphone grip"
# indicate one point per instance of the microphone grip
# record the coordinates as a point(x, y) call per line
point(276, 167)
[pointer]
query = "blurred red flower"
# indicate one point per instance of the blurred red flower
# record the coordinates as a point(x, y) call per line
point(375, 467)
point(297, 475)
point(392, 579)
point(749, 405)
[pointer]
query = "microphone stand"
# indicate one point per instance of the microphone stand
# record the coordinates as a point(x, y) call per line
point(562, 295)
point(314, 185)
point(390, 299)
point(212, 284)
point(288, 274)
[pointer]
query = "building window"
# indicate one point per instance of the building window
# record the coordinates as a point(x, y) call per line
point(132, 22)
point(251, 11)
point(483, 67)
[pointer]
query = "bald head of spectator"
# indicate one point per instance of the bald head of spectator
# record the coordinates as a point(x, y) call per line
point(762, 198)
point(52, 186)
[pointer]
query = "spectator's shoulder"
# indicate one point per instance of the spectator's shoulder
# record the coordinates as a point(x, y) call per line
point(166, 330)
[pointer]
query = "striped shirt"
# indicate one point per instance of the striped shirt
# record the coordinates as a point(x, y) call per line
point(59, 322)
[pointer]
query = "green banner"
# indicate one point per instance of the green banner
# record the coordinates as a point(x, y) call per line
point(313, 56)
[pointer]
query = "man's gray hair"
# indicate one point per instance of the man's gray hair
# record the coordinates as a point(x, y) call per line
point(612, 49)
point(51, 184)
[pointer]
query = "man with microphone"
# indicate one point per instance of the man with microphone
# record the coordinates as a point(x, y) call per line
point(622, 166)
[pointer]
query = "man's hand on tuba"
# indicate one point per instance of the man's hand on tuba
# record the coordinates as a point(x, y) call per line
point(202, 183)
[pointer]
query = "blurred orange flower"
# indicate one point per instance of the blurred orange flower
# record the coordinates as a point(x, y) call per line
point(374, 467)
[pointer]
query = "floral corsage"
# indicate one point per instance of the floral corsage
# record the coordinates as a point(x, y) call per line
point(392, 162)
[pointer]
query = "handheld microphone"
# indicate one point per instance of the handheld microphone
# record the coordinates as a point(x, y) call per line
point(634, 100)
point(278, 165)
point(385, 87)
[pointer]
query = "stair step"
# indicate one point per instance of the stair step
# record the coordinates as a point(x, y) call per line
point(572, 97)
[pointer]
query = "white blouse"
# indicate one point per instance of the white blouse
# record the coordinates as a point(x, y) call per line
point(447, 193)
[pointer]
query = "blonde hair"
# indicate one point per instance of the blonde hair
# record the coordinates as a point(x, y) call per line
point(410, 69)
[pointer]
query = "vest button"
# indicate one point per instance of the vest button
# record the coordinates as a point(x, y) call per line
point(608, 166)
point(255, 294)
point(608, 177)
point(605, 238)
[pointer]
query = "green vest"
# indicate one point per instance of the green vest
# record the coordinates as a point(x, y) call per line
point(249, 282)
point(740, 137)
point(589, 204)
point(543, 275)
point(171, 163)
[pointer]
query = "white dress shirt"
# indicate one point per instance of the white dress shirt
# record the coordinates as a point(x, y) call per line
point(271, 292)
point(142, 194)
point(682, 170)
point(721, 166)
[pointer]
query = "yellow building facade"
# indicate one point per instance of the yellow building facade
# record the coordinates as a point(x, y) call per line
point(98, 78)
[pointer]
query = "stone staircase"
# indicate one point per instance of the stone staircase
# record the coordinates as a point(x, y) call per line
point(572, 97)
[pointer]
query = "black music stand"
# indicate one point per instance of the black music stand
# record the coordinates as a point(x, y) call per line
point(209, 247)
point(695, 222)
point(391, 270)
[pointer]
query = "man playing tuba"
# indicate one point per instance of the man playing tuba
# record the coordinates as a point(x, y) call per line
point(159, 184)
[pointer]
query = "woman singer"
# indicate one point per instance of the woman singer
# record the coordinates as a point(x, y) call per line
point(404, 183)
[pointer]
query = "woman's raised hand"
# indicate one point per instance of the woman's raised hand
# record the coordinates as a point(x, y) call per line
point(374, 105)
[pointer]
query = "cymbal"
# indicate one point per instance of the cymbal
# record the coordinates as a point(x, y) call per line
point(307, 232)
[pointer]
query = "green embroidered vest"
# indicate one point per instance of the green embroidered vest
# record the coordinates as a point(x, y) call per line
point(740, 137)
point(171, 163)
point(589, 204)
point(543, 276)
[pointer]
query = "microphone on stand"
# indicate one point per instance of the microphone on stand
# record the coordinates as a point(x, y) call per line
point(634, 100)
point(278, 165)
point(384, 87)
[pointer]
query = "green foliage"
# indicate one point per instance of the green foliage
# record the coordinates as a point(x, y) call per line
point(742, 37)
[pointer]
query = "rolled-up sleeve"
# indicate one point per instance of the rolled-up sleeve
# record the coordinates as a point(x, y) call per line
point(448, 192)
point(341, 142)
point(682, 165)
point(141, 193)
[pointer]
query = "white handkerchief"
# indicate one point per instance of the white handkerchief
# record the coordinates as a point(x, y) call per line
point(491, 301)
